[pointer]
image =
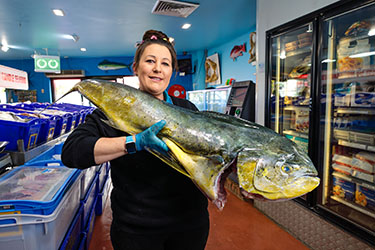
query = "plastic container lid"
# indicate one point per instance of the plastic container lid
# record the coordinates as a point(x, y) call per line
point(35, 189)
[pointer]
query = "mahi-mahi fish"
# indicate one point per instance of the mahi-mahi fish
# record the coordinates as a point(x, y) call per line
point(208, 146)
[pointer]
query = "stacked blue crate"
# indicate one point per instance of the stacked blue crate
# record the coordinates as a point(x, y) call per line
point(104, 185)
point(36, 206)
point(88, 181)
point(73, 237)
point(26, 130)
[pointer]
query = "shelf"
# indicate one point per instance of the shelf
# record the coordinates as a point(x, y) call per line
point(353, 139)
point(354, 206)
point(356, 145)
point(297, 134)
point(359, 111)
point(355, 180)
point(297, 52)
point(359, 76)
point(294, 108)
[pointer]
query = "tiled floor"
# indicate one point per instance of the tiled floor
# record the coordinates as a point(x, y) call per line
point(239, 226)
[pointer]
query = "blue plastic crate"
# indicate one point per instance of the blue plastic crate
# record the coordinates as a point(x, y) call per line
point(47, 123)
point(82, 245)
point(42, 232)
point(88, 203)
point(72, 238)
point(90, 225)
point(27, 131)
point(47, 129)
point(102, 175)
point(103, 196)
point(72, 121)
point(35, 189)
point(52, 154)
point(61, 124)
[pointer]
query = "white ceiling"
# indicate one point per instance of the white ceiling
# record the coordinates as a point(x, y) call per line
point(112, 27)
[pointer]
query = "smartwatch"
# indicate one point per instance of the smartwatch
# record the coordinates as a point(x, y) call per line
point(130, 145)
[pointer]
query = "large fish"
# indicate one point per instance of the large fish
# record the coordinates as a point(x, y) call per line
point(207, 146)
point(107, 65)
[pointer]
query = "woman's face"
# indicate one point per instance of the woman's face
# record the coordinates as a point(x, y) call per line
point(154, 70)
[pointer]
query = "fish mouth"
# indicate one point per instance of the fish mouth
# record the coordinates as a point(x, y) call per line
point(264, 189)
point(301, 186)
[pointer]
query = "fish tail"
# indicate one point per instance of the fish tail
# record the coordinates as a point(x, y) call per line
point(129, 66)
point(75, 88)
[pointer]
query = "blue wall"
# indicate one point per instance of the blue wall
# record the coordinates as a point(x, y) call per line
point(38, 81)
point(240, 69)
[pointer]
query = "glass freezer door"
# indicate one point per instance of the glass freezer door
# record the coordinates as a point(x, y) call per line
point(348, 116)
point(291, 83)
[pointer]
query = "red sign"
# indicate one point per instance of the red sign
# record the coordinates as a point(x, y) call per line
point(13, 78)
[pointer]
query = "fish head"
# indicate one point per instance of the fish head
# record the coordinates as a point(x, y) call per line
point(281, 171)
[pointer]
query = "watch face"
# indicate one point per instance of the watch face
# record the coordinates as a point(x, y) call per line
point(130, 147)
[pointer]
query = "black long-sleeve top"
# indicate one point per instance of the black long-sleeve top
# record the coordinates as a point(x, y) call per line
point(148, 196)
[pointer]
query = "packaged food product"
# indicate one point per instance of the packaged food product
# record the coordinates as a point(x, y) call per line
point(363, 176)
point(302, 121)
point(364, 161)
point(343, 188)
point(365, 196)
point(290, 46)
point(342, 169)
point(342, 164)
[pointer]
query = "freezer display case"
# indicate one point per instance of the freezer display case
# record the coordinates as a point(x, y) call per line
point(210, 99)
point(320, 72)
point(291, 83)
point(347, 116)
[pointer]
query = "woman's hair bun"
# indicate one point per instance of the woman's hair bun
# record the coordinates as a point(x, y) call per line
point(158, 34)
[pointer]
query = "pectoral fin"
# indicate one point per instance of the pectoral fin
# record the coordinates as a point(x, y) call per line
point(169, 159)
point(204, 171)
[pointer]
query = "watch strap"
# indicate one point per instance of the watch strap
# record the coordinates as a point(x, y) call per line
point(130, 145)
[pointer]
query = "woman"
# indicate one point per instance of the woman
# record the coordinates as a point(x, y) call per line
point(154, 207)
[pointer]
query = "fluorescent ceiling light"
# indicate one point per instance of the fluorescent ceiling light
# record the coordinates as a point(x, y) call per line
point(186, 26)
point(58, 12)
point(75, 38)
point(371, 32)
point(371, 53)
point(4, 48)
point(83, 49)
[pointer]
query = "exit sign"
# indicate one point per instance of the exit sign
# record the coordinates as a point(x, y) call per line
point(50, 64)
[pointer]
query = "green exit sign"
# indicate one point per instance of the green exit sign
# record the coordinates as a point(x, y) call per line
point(50, 64)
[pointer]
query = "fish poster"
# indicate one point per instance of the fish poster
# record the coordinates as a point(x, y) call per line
point(212, 68)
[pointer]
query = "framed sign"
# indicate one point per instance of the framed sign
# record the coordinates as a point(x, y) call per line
point(49, 64)
point(212, 67)
point(13, 78)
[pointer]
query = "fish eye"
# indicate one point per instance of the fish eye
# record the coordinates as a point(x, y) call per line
point(286, 169)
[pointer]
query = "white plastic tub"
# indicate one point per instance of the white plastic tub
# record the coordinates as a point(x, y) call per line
point(33, 231)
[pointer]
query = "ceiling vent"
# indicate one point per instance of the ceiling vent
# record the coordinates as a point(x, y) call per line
point(174, 8)
point(67, 74)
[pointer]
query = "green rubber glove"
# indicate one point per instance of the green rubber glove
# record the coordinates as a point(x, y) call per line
point(148, 138)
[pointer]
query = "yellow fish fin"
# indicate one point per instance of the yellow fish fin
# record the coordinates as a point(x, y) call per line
point(204, 170)
point(171, 161)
